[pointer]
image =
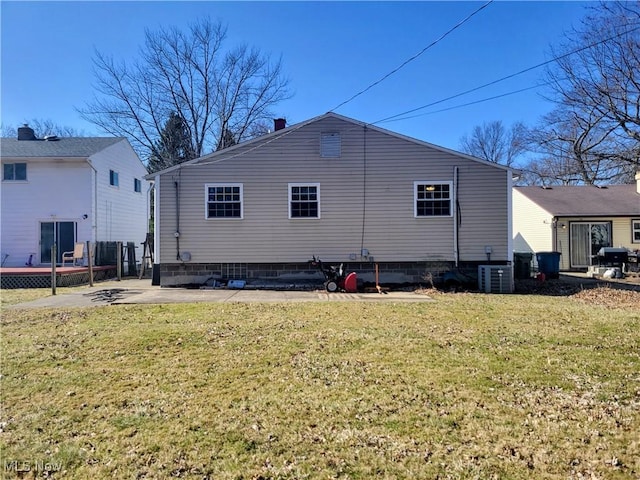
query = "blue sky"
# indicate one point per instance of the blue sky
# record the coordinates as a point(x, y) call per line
point(329, 50)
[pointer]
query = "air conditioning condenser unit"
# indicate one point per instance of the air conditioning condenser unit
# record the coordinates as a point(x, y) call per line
point(495, 278)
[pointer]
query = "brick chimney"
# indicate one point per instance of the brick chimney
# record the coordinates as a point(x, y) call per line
point(279, 124)
point(26, 133)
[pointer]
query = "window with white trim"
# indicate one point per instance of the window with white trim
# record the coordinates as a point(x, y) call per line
point(137, 185)
point(223, 200)
point(304, 200)
point(14, 172)
point(635, 230)
point(432, 199)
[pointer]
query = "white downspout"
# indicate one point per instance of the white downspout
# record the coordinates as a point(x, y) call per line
point(94, 207)
point(454, 200)
point(510, 226)
point(151, 185)
point(156, 221)
point(510, 216)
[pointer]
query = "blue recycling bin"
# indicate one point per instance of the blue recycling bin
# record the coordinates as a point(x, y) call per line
point(549, 263)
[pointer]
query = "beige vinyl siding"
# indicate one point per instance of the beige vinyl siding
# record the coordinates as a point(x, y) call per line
point(620, 235)
point(377, 207)
point(532, 225)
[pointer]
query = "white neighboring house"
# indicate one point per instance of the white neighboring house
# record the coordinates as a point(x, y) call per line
point(68, 190)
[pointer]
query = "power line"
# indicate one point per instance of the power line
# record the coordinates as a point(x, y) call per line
point(396, 117)
point(459, 24)
point(554, 59)
point(467, 104)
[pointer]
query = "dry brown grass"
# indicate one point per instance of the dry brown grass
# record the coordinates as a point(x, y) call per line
point(468, 386)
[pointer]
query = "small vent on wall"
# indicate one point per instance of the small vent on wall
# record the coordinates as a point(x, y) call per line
point(330, 145)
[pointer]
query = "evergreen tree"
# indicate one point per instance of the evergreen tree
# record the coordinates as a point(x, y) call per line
point(173, 147)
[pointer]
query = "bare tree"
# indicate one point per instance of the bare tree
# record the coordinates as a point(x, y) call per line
point(602, 77)
point(574, 147)
point(219, 94)
point(492, 142)
point(42, 128)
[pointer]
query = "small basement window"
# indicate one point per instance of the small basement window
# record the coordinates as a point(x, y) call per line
point(330, 145)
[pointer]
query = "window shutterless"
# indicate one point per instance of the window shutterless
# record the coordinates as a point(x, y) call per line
point(224, 200)
point(432, 199)
point(114, 178)
point(304, 200)
point(14, 171)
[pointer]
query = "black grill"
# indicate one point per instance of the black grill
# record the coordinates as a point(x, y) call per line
point(613, 256)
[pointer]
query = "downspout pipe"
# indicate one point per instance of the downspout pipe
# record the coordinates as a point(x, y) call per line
point(94, 207)
point(456, 216)
point(177, 232)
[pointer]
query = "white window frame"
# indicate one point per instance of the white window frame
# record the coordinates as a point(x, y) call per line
point(137, 185)
point(222, 184)
point(14, 179)
point(303, 184)
point(435, 183)
point(635, 229)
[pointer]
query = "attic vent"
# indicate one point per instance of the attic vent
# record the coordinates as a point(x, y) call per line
point(51, 138)
point(602, 187)
point(544, 187)
point(330, 145)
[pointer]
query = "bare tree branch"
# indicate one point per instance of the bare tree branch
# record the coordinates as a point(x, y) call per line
point(492, 142)
point(218, 95)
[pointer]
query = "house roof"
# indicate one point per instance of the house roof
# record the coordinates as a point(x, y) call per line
point(81, 147)
point(585, 200)
point(255, 143)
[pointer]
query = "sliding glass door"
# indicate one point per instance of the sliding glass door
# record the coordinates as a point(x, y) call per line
point(586, 239)
point(62, 234)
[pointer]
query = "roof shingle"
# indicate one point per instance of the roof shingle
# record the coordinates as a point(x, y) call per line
point(586, 200)
point(62, 147)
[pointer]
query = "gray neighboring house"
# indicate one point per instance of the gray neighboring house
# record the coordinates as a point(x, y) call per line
point(333, 187)
point(576, 221)
point(61, 190)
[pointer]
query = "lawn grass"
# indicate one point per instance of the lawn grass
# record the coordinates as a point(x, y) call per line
point(468, 386)
point(22, 295)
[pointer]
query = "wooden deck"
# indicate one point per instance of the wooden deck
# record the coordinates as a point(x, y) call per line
point(40, 277)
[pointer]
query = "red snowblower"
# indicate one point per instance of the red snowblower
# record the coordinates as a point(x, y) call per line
point(335, 277)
